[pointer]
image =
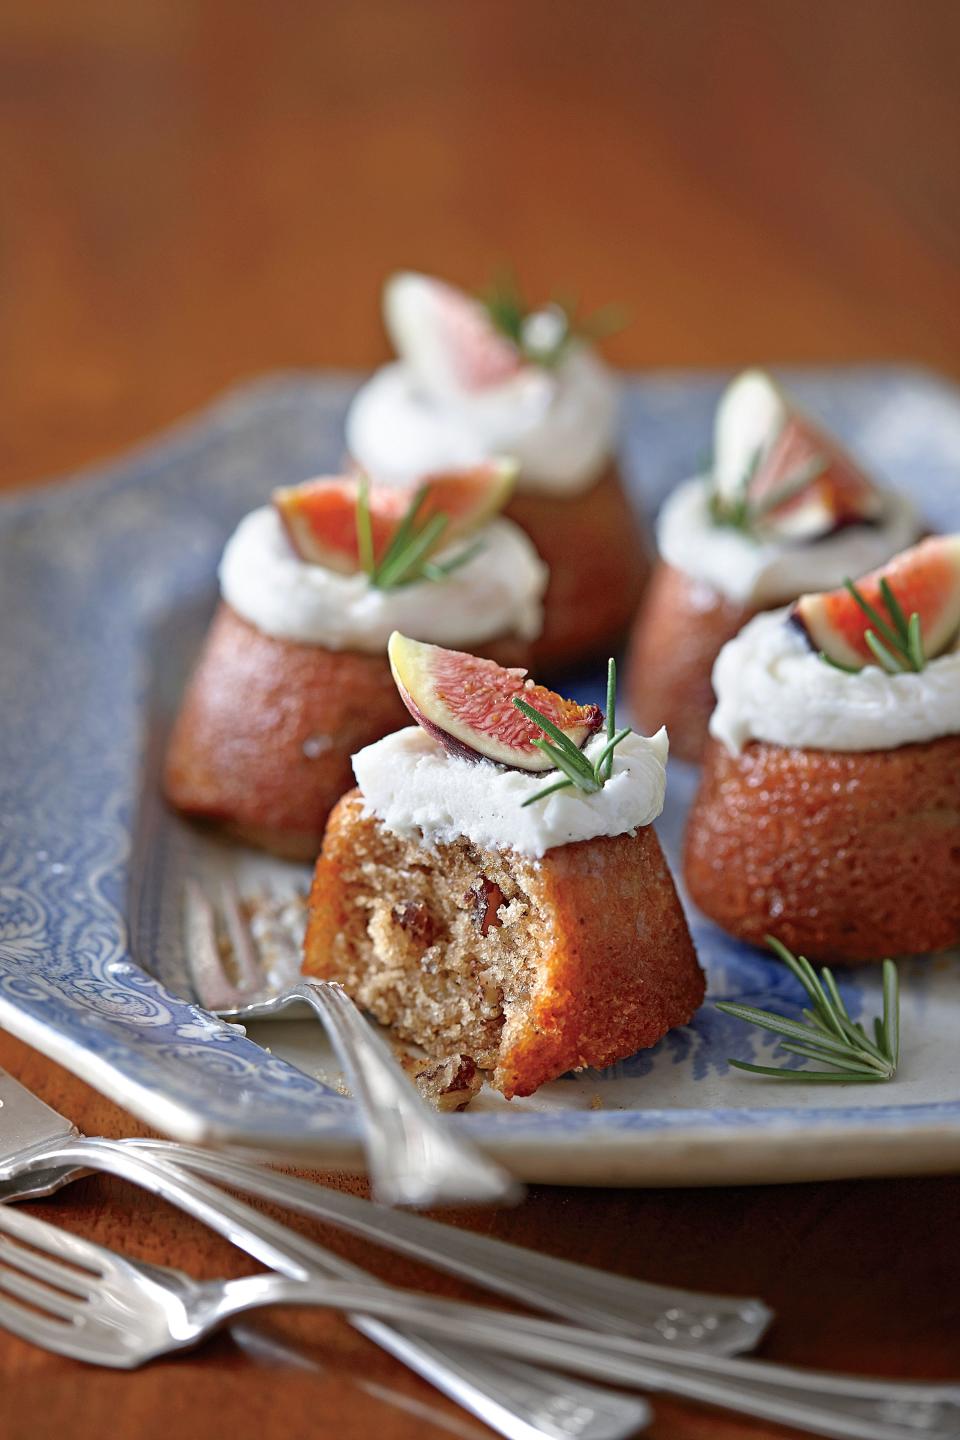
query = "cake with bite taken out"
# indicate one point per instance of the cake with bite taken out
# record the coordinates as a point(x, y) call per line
point(486, 905)
point(293, 676)
point(783, 510)
point(829, 806)
point(481, 377)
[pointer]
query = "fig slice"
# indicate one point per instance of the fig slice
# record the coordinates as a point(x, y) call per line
point(320, 516)
point(924, 579)
point(465, 703)
point(750, 415)
point(797, 482)
point(806, 486)
point(446, 337)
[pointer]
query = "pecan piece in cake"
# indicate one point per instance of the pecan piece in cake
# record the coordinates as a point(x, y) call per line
point(451, 1083)
point(413, 916)
point(486, 897)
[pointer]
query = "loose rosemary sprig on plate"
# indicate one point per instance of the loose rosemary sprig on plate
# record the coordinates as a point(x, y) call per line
point(827, 1032)
point(542, 335)
point(408, 556)
point(900, 650)
point(585, 774)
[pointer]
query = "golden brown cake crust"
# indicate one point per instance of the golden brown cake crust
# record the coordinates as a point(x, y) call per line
point(608, 963)
point(621, 971)
point(266, 729)
point(599, 561)
point(847, 857)
point(678, 634)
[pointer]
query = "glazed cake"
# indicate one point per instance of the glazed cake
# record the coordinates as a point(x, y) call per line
point(293, 677)
point(474, 379)
point(783, 510)
point(829, 806)
point(529, 936)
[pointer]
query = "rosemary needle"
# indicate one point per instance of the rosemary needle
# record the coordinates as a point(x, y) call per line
point(896, 644)
point(510, 314)
point(827, 1033)
point(584, 774)
point(408, 557)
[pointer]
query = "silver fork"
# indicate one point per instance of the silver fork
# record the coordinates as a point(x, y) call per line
point(414, 1156)
point(94, 1305)
point(45, 1152)
point(724, 1324)
point(521, 1401)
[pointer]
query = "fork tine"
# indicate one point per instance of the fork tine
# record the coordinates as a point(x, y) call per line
point(38, 1329)
point(51, 1302)
point(246, 956)
point(32, 1263)
point(211, 984)
point(53, 1241)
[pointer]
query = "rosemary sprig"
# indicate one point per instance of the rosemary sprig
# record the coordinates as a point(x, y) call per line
point(408, 556)
point(578, 771)
point(515, 320)
point(897, 645)
point(827, 1033)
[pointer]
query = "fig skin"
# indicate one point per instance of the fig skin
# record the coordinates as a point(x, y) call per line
point(450, 743)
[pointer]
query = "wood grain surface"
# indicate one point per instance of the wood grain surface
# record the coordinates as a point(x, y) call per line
point(196, 191)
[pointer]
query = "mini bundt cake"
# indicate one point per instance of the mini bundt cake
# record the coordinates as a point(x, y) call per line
point(478, 377)
point(293, 677)
point(829, 805)
point(533, 933)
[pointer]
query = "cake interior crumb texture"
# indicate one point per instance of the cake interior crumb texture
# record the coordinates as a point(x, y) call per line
point(530, 967)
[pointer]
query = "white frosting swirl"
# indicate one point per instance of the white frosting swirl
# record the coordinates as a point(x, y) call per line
point(764, 573)
point(410, 783)
point(560, 424)
point(498, 592)
point(771, 686)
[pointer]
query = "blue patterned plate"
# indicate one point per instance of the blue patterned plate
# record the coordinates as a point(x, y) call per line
point(106, 585)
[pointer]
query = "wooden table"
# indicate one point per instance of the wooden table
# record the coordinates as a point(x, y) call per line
point(196, 192)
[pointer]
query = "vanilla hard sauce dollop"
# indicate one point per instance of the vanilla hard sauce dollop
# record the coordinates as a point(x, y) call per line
point(497, 592)
point(560, 424)
point(418, 790)
point(763, 573)
point(772, 686)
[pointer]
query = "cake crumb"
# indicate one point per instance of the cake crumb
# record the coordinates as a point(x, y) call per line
point(595, 1102)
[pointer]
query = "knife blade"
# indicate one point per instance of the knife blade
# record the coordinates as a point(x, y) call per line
point(28, 1125)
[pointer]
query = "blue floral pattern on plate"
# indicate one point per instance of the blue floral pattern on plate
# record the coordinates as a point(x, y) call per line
point(106, 585)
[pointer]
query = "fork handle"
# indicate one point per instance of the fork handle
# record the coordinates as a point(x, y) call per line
point(521, 1401)
point(826, 1404)
point(414, 1157)
point(579, 1293)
